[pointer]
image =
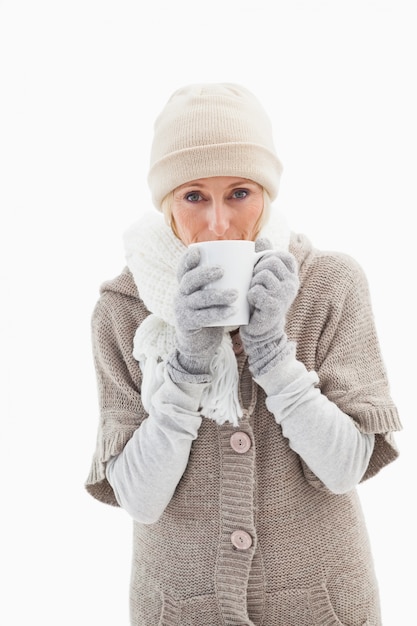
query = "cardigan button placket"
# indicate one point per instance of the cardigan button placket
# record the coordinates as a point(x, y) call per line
point(237, 546)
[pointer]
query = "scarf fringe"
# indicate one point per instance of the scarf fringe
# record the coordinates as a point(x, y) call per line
point(220, 401)
point(154, 341)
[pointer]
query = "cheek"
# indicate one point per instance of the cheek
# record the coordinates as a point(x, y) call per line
point(186, 224)
point(251, 219)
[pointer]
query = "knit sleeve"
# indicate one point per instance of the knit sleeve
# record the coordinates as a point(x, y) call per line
point(350, 365)
point(114, 322)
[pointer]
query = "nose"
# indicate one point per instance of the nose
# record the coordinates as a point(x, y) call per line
point(218, 219)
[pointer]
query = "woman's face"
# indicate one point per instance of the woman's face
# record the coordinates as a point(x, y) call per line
point(221, 207)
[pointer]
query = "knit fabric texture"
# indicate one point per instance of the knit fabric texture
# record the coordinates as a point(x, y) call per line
point(213, 129)
point(305, 557)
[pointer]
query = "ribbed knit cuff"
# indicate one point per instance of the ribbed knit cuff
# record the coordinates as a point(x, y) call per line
point(264, 358)
point(187, 369)
point(283, 374)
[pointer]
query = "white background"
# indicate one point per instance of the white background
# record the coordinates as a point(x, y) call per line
point(81, 83)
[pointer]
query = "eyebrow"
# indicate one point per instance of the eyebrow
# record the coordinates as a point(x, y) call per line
point(190, 184)
point(242, 182)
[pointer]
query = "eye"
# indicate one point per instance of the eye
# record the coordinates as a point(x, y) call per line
point(239, 194)
point(193, 196)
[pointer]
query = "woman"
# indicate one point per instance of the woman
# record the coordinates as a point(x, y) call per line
point(237, 451)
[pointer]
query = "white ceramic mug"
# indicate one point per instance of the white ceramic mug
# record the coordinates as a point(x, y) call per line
point(237, 258)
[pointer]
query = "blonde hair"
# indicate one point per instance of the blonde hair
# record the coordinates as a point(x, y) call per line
point(168, 201)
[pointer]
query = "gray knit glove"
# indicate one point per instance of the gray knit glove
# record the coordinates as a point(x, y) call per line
point(195, 308)
point(273, 288)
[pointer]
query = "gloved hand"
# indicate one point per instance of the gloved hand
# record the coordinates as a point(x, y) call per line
point(195, 308)
point(273, 288)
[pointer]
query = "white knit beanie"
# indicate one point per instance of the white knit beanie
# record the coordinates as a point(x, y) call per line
point(215, 129)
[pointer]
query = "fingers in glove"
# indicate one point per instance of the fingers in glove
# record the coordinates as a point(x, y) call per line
point(280, 264)
point(262, 244)
point(289, 261)
point(200, 308)
point(210, 298)
point(262, 299)
point(265, 286)
point(202, 318)
point(197, 278)
point(189, 260)
point(278, 286)
point(268, 281)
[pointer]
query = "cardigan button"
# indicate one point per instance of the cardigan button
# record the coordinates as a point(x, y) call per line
point(240, 442)
point(241, 540)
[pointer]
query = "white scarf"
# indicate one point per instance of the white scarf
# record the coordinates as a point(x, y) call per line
point(152, 254)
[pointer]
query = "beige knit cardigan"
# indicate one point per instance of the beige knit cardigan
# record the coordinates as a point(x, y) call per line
point(309, 562)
